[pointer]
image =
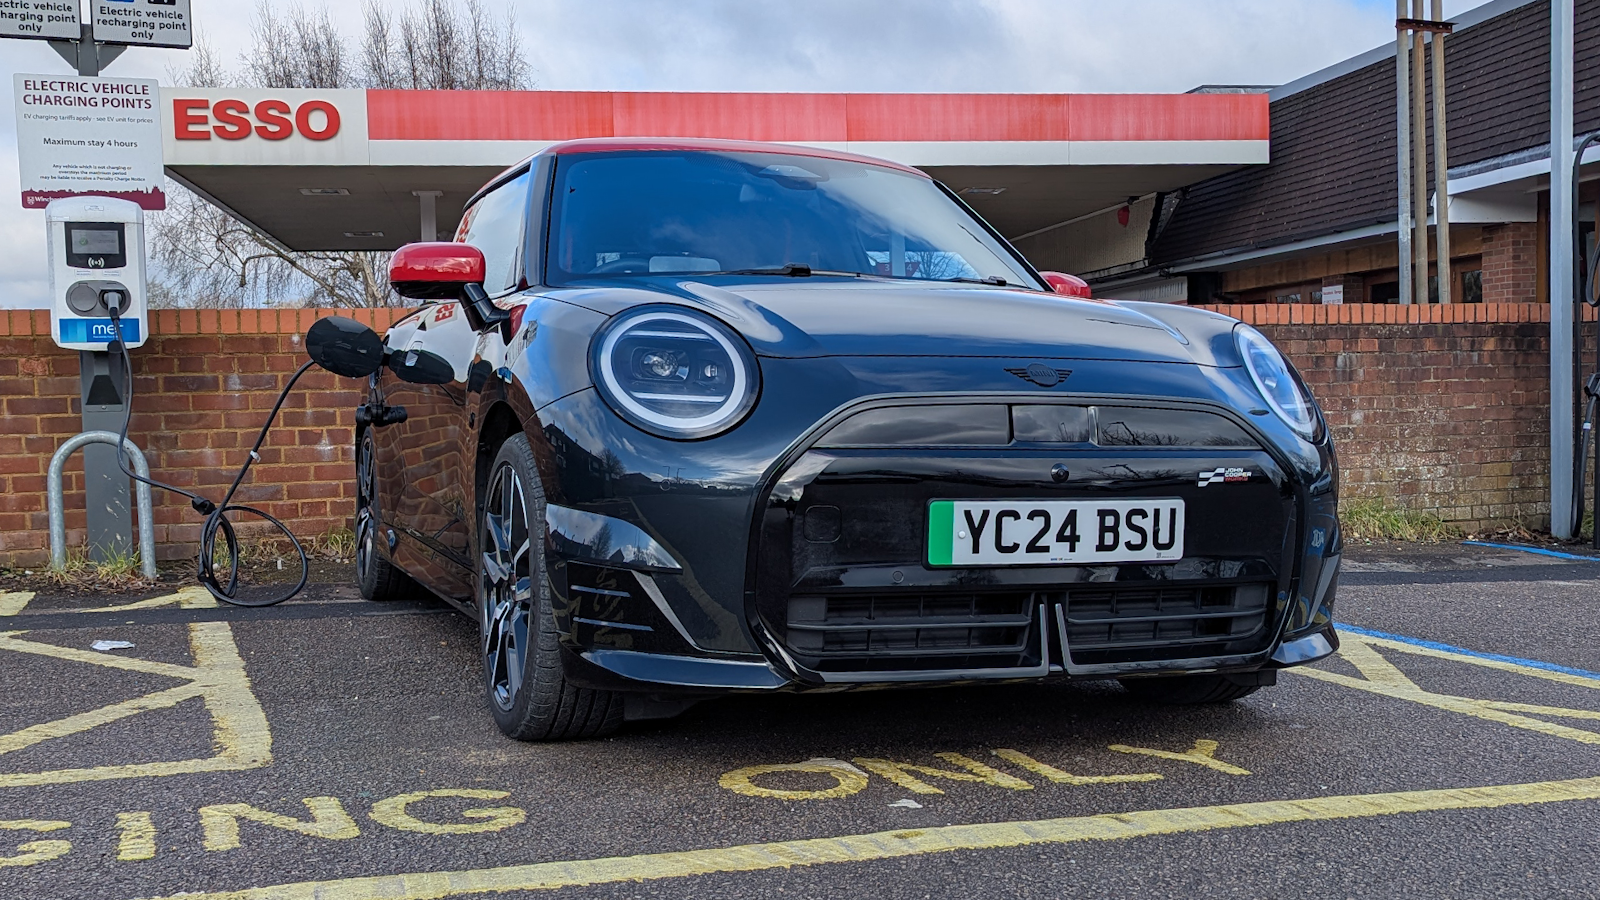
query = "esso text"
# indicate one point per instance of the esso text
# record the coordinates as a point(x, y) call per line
point(197, 119)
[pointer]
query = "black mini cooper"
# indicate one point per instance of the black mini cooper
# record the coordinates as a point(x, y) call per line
point(683, 418)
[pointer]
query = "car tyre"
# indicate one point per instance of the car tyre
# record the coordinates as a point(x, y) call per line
point(376, 577)
point(526, 687)
point(1188, 690)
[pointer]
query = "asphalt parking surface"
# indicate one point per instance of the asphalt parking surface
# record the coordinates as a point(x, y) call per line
point(339, 750)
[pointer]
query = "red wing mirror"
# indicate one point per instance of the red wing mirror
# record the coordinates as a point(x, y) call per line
point(435, 270)
point(1068, 285)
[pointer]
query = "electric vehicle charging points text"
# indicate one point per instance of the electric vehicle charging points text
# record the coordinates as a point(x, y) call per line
point(97, 266)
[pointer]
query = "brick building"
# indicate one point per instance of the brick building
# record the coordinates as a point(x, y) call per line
point(1318, 222)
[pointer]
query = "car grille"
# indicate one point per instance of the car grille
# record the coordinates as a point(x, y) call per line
point(911, 631)
point(1104, 624)
point(1133, 624)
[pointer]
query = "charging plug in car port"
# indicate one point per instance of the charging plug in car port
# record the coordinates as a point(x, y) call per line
point(380, 415)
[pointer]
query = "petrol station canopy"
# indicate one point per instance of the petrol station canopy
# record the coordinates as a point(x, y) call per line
point(356, 169)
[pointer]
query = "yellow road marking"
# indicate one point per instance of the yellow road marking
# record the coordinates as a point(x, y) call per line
point(1384, 678)
point(34, 734)
point(192, 597)
point(137, 837)
point(900, 844)
point(12, 602)
point(900, 773)
point(1054, 774)
point(1500, 664)
point(1204, 753)
point(241, 735)
point(847, 780)
point(394, 813)
point(220, 823)
point(35, 852)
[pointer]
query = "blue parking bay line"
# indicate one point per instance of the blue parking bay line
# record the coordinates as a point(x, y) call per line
point(1539, 550)
point(1450, 648)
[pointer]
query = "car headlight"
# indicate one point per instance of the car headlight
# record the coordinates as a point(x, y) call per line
point(1277, 384)
point(674, 373)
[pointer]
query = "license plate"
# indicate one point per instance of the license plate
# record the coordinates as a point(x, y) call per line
point(1053, 532)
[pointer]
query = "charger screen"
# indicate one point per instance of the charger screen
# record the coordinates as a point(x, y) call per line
point(95, 245)
point(87, 242)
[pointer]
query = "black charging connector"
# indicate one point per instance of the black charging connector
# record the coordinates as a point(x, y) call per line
point(217, 521)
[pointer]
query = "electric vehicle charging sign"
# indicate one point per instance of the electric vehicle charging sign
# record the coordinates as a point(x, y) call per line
point(147, 23)
point(42, 20)
point(89, 137)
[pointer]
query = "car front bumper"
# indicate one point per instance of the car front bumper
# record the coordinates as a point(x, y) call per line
point(700, 566)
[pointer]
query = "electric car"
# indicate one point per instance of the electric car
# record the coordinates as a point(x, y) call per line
point(680, 418)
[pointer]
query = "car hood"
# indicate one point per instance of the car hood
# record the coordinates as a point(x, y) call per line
point(813, 317)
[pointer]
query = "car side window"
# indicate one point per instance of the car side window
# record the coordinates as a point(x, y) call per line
point(494, 225)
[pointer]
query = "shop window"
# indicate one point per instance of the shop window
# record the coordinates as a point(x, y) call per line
point(1472, 286)
point(1384, 292)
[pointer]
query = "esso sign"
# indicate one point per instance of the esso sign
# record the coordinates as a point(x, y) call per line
point(198, 119)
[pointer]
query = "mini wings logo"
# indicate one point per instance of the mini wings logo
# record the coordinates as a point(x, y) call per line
point(1042, 375)
point(1224, 476)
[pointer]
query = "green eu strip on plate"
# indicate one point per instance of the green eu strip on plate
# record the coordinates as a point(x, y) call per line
point(941, 532)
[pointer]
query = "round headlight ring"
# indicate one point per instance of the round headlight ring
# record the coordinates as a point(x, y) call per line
point(663, 324)
point(1276, 382)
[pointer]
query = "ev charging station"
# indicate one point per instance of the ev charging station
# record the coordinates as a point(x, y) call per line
point(97, 269)
point(96, 243)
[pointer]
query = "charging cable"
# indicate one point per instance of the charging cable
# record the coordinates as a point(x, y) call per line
point(217, 521)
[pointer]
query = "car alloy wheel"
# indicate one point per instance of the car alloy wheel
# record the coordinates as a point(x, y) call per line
point(523, 666)
point(376, 576)
point(507, 585)
point(366, 518)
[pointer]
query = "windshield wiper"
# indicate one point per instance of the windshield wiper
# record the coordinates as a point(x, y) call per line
point(792, 270)
point(995, 280)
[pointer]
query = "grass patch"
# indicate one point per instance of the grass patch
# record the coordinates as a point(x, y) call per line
point(119, 572)
point(1372, 520)
point(338, 544)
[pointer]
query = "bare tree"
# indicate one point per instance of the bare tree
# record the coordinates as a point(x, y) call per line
point(205, 69)
point(297, 49)
point(443, 46)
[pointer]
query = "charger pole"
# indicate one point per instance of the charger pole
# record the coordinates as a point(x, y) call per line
point(1563, 380)
point(103, 396)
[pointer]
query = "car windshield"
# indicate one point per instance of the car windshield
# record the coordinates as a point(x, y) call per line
point(702, 213)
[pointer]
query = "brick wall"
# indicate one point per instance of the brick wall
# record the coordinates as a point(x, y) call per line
point(1510, 262)
point(1436, 408)
point(203, 385)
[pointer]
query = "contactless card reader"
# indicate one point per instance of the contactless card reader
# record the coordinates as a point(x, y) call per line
point(96, 267)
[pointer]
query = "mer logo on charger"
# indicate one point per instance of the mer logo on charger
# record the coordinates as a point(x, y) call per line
point(97, 331)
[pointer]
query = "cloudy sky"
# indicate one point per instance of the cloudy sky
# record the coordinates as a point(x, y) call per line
point(812, 45)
